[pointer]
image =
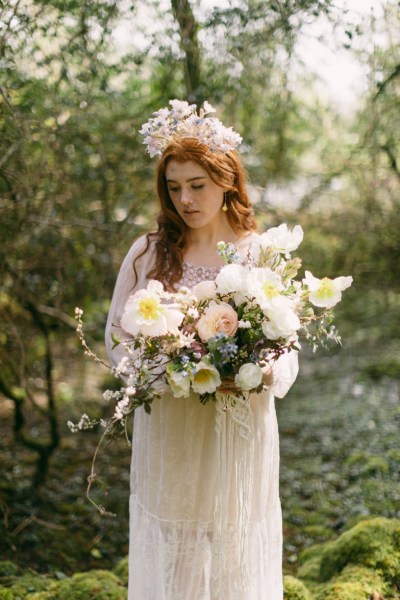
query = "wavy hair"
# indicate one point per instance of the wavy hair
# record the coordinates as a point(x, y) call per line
point(171, 237)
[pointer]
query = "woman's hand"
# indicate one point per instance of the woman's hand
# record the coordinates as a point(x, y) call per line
point(228, 386)
point(268, 375)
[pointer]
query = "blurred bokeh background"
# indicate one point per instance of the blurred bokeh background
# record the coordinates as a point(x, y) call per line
point(313, 87)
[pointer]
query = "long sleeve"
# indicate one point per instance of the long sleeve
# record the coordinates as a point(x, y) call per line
point(285, 371)
point(124, 287)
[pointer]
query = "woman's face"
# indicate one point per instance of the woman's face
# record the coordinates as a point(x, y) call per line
point(196, 198)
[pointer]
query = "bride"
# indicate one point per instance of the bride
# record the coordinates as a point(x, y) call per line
point(205, 514)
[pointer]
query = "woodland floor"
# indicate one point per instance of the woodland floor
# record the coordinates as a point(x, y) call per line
point(340, 462)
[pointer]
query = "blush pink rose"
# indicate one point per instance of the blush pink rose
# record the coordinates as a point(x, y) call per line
point(217, 318)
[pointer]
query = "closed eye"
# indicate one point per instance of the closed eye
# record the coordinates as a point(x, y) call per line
point(197, 187)
point(174, 189)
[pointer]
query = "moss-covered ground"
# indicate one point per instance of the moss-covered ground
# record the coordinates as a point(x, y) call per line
point(363, 563)
point(340, 446)
point(340, 464)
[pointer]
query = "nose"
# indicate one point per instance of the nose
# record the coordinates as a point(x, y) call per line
point(186, 197)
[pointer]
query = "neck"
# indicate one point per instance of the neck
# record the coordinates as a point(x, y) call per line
point(211, 234)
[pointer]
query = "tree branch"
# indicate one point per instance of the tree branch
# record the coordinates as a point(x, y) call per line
point(383, 84)
point(392, 159)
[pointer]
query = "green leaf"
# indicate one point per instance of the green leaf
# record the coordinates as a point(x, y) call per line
point(116, 341)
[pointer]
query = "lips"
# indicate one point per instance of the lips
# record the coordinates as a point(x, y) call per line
point(190, 212)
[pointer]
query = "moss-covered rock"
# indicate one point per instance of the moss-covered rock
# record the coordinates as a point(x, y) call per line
point(8, 568)
point(6, 594)
point(374, 543)
point(121, 570)
point(26, 584)
point(309, 570)
point(363, 560)
point(102, 585)
point(354, 583)
point(310, 562)
point(345, 591)
point(294, 589)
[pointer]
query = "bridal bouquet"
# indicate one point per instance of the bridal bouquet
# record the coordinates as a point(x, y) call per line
point(223, 335)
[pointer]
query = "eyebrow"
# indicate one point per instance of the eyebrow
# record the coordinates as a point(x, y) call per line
point(187, 180)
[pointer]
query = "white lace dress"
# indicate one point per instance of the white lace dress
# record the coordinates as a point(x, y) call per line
point(205, 515)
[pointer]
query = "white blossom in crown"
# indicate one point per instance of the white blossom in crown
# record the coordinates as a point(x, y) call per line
point(182, 120)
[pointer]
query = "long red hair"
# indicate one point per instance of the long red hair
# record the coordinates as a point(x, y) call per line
point(171, 238)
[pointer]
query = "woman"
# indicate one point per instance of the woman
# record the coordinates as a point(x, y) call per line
point(205, 517)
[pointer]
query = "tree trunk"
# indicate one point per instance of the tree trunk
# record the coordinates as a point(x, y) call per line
point(188, 28)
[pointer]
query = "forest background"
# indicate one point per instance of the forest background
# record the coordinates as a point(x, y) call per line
point(78, 79)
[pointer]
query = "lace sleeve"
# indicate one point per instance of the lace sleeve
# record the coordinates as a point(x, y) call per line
point(124, 287)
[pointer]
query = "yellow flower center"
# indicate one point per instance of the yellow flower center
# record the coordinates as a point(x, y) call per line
point(148, 308)
point(326, 288)
point(202, 376)
point(270, 289)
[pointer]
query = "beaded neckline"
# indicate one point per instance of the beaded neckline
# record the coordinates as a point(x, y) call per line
point(204, 267)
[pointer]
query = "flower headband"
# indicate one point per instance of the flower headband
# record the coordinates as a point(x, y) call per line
point(182, 120)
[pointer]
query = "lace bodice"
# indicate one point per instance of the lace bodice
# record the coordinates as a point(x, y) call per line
point(193, 274)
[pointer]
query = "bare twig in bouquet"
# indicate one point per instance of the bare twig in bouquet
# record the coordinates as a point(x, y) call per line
point(93, 477)
point(81, 335)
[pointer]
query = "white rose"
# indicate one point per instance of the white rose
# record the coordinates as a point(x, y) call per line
point(283, 322)
point(204, 290)
point(249, 376)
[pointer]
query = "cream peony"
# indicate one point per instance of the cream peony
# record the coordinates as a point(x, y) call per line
point(205, 378)
point(326, 292)
point(281, 239)
point(217, 318)
point(145, 313)
point(179, 383)
point(205, 290)
point(282, 322)
point(232, 278)
point(249, 376)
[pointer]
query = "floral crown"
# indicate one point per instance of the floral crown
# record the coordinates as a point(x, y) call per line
point(182, 120)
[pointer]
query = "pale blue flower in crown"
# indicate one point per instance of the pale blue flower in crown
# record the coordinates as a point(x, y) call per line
point(182, 120)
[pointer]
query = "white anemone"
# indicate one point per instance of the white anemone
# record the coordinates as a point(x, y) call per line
point(326, 292)
point(179, 383)
point(265, 286)
point(145, 313)
point(205, 378)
